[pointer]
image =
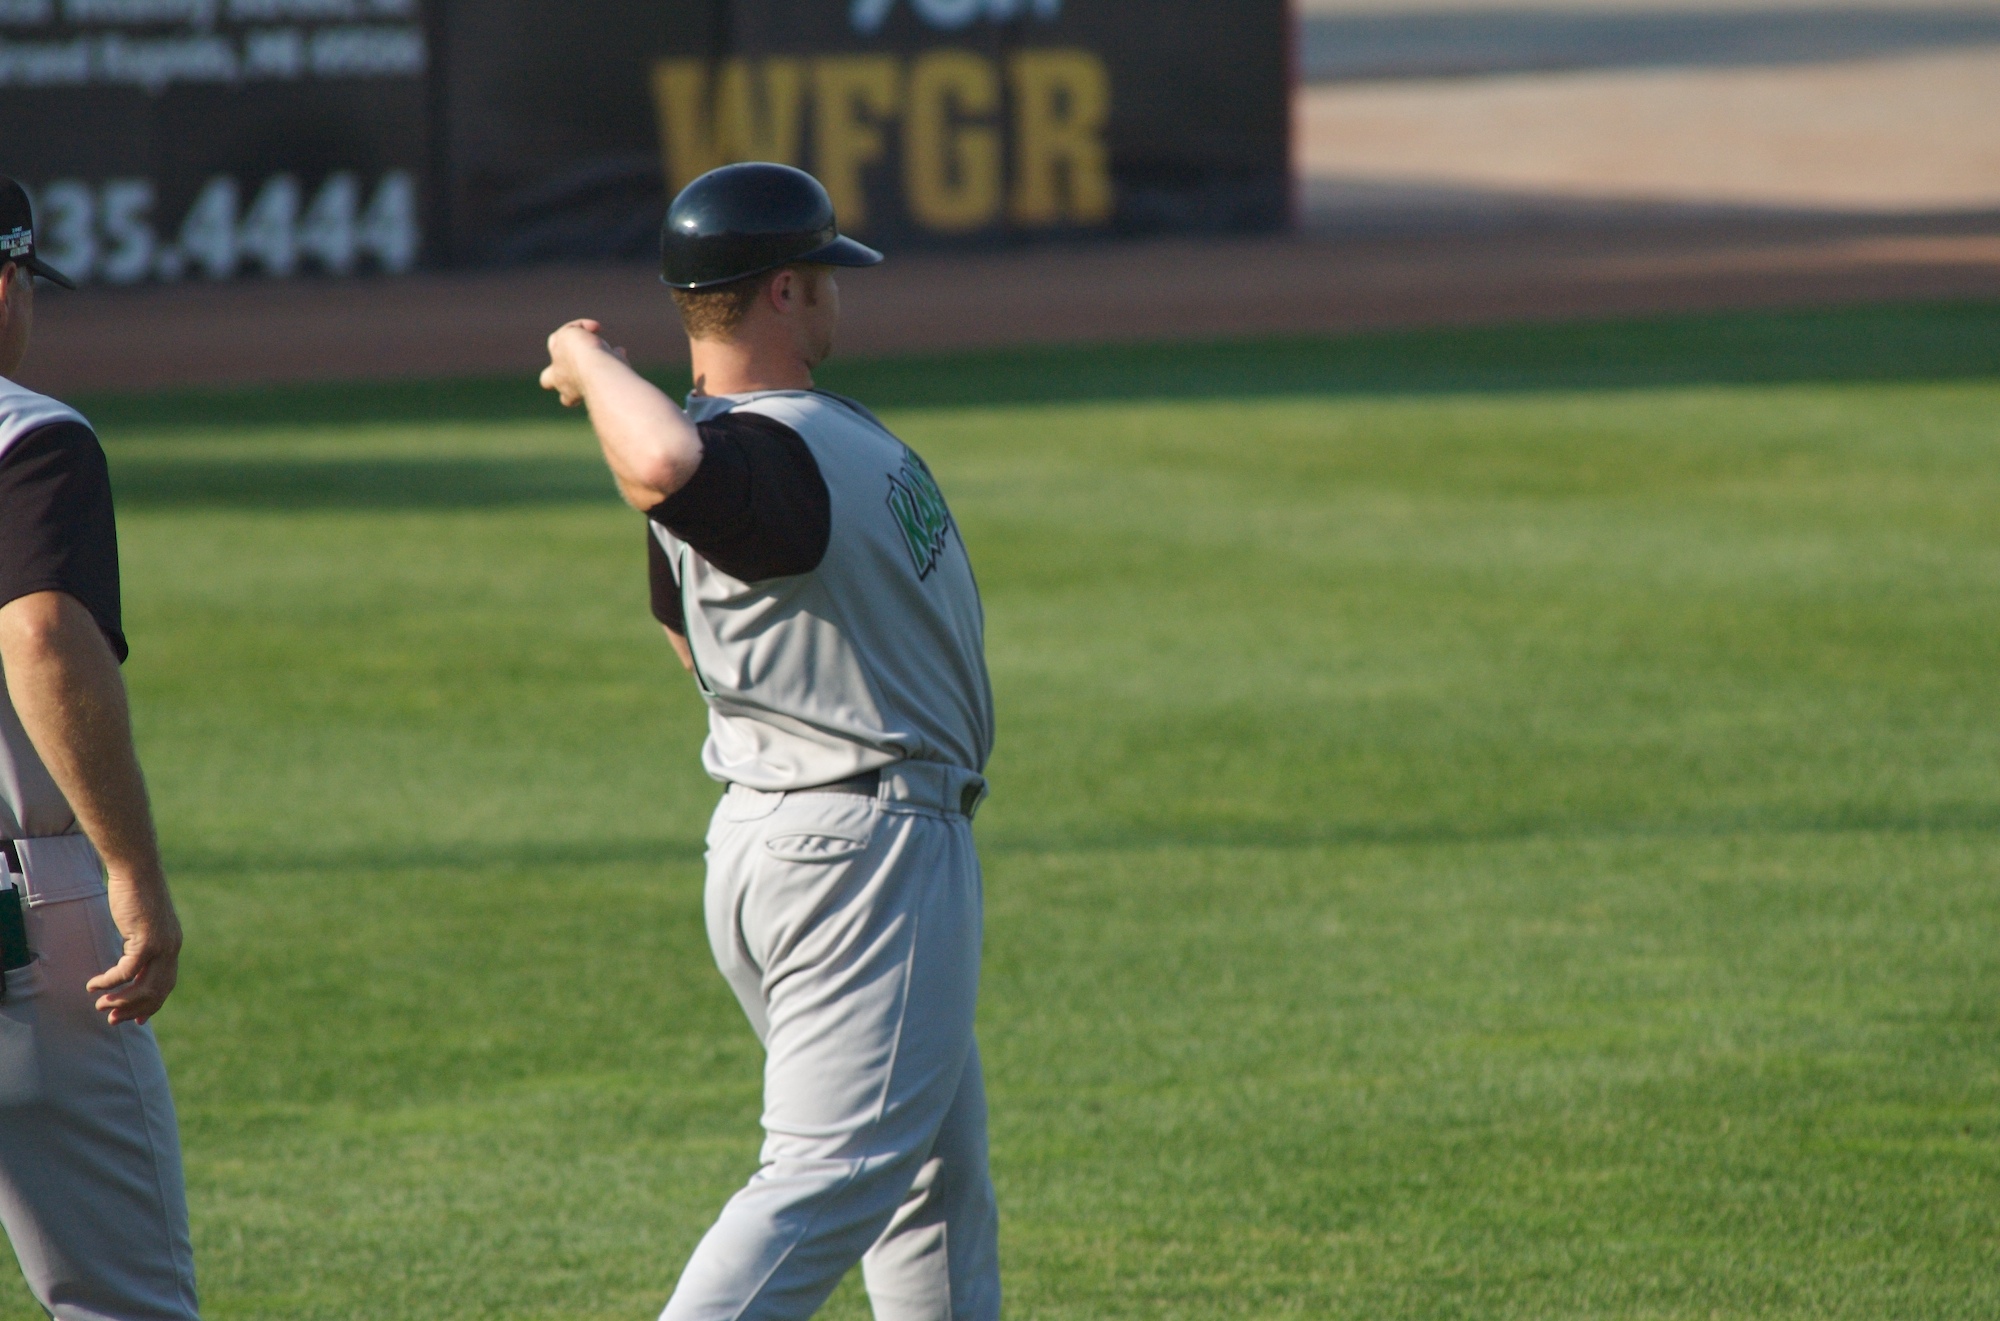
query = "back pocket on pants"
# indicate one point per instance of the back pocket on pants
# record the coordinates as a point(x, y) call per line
point(814, 847)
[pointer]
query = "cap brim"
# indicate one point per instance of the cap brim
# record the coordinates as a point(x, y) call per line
point(843, 251)
point(47, 272)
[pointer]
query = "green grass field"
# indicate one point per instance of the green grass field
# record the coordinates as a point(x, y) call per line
point(1489, 824)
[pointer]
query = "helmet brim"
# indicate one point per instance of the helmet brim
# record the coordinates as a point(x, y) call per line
point(843, 251)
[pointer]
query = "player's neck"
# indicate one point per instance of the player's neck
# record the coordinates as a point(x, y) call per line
point(738, 367)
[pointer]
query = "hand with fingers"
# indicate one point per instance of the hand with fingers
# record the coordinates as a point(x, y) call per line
point(568, 348)
point(138, 985)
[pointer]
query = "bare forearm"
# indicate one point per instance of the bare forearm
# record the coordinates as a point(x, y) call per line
point(649, 444)
point(651, 447)
point(65, 686)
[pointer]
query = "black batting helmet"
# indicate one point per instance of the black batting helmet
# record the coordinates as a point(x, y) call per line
point(744, 220)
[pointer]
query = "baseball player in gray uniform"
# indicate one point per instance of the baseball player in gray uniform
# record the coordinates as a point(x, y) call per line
point(812, 579)
point(90, 1163)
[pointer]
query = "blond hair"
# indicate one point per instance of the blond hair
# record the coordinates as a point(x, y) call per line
point(716, 313)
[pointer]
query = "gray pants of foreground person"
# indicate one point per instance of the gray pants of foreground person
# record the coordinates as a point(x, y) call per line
point(90, 1159)
point(850, 928)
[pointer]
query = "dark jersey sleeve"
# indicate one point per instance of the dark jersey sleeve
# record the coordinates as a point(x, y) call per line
point(757, 507)
point(667, 605)
point(57, 530)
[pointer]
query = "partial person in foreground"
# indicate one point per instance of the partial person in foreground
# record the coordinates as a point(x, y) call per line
point(90, 1162)
point(810, 576)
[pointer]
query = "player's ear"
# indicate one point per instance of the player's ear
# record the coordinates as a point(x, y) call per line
point(781, 291)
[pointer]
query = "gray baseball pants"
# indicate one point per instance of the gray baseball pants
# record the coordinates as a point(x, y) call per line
point(90, 1158)
point(850, 929)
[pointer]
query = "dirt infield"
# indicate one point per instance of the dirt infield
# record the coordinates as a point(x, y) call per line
point(1907, 136)
point(494, 323)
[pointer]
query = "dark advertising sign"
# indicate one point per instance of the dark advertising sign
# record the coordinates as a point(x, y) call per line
point(930, 121)
point(175, 139)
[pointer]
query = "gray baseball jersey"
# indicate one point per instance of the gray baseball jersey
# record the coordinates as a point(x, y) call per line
point(56, 533)
point(826, 596)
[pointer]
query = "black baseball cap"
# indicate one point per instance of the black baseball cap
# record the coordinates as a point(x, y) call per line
point(17, 234)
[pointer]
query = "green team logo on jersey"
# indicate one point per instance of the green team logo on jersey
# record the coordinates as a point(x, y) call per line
point(920, 512)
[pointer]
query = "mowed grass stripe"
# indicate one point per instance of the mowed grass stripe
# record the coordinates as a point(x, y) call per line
point(1488, 824)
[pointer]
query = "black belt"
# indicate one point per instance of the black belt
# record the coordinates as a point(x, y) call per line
point(869, 784)
point(865, 785)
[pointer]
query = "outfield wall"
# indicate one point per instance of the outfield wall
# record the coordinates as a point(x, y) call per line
point(211, 139)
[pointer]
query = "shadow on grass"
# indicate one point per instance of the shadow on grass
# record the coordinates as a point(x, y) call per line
point(149, 482)
point(1136, 836)
point(1908, 343)
point(502, 857)
point(1955, 342)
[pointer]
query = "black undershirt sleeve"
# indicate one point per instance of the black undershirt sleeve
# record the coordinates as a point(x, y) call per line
point(667, 605)
point(757, 508)
point(57, 529)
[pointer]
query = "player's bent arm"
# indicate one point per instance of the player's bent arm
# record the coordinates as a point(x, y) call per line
point(65, 686)
point(649, 444)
